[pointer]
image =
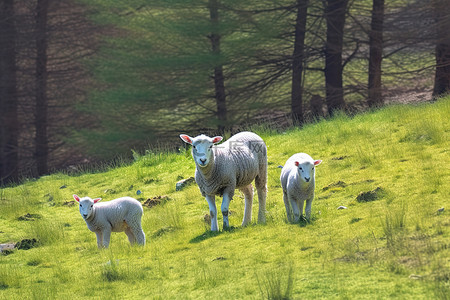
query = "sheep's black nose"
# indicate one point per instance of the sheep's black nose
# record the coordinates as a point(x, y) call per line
point(307, 179)
point(85, 216)
point(202, 160)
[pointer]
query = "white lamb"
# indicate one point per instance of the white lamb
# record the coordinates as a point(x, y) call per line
point(298, 183)
point(223, 168)
point(119, 215)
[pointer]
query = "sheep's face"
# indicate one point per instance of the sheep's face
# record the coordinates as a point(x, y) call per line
point(306, 169)
point(202, 145)
point(86, 205)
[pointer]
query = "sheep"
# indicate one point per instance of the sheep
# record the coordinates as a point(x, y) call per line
point(223, 168)
point(119, 215)
point(298, 183)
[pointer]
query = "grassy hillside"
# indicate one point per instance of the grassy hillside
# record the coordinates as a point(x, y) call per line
point(390, 168)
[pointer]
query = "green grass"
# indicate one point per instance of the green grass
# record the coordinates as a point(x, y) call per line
point(394, 246)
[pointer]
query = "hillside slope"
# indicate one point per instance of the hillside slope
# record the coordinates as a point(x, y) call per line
point(390, 168)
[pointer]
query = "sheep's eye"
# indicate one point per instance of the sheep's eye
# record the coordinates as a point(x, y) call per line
point(300, 169)
point(193, 147)
point(92, 205)
point(210, 147)
point(81, 205)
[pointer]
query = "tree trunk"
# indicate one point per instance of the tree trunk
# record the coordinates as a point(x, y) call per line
point(376, 54)
point(442, 50)
point(297, 62)
point(9, 123)
point(335, 15)
point(41, 151)
point(219, 80)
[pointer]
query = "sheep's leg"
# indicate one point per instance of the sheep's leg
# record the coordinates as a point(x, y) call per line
point(213, 212)
point(225, 206)
point(139, 234)
point(288, 207)
point(261, 188)
point(130, 235)
point(300, 207)
point(106, 237)
point(135, 228)
point(295, 208)
point(248, 194)
point(308, 207)
point(99, 239)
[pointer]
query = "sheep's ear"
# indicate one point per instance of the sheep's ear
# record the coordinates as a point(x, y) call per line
point(76, 198)
point(97, 200)
point(217, 139)
point(186, 138)
point(317, 162)
point(297, 163)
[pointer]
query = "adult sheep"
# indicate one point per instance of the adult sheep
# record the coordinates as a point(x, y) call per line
point(119, 215)
point(298, 183)
point(232, 165)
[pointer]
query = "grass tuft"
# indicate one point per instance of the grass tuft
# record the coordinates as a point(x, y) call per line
point(277, 284)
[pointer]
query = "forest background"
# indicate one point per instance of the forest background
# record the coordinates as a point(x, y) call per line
point(86, 81)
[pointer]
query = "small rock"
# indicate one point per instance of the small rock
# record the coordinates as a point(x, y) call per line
point(184, 183)
point(63, 186)
point(342, 207)
point(6, 247)
point(280, 167)
point(440, 210)
point(109, 191)
point(138, 192)
point(415, 277)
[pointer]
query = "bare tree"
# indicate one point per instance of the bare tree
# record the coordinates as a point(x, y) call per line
point(219, 81)
point(376, 53)
point(297, 62)
point(9, 123)
point(41, 140)
point(442, 50)
point(335, 11)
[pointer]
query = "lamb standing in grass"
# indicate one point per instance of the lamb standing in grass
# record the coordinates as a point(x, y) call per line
point(298, 183)
point(119, 215)
point(233, 164)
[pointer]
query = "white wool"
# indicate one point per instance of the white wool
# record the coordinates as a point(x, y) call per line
point(298, 183)
point(233, 164)
point(119, 215)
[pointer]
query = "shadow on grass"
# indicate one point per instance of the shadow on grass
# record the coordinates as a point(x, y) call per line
point(303, 222)
point(210, 234)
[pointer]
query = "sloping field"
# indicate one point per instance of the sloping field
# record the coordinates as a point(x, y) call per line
point(389, 168)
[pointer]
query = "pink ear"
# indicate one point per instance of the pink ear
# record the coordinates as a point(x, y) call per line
point(297, 163)
point(186, 138)
point(76, 198)
point(97, 199)
point(317, 162)
point(217, 139)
